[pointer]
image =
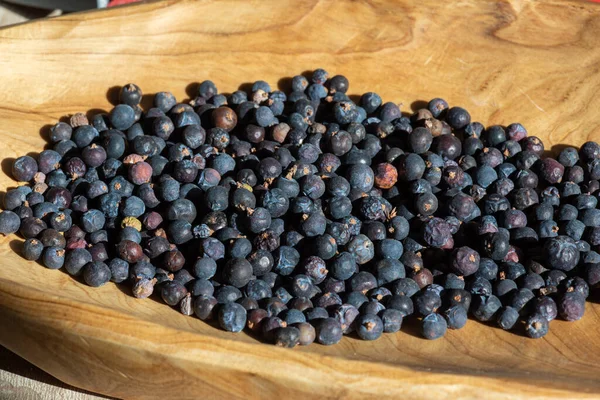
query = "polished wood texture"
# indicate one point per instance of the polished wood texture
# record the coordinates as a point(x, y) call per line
point(530, 61)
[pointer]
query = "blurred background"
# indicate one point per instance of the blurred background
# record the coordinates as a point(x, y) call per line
point(17, 11)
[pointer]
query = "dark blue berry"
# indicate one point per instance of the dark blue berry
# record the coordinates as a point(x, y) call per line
point(433, 326)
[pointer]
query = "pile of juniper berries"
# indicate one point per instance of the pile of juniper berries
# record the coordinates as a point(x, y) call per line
point(305, 216)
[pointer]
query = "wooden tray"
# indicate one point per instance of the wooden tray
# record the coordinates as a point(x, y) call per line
point(528, 61)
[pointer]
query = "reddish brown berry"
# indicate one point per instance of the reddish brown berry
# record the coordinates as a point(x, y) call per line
point(255, 318)
point(225, 118)
point(152, 220)
point(173, 260)
point(140, 173)
point(386, 176)
point(423, 277)
point(130, 251)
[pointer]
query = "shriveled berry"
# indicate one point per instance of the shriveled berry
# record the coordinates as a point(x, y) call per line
point(465, 261)
point(386, 176)
point(571, 306)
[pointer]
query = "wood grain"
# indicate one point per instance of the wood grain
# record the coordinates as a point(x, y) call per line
point(20, 380)
point(529, 61)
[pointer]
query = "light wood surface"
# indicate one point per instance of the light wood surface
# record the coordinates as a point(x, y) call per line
point(529, 61)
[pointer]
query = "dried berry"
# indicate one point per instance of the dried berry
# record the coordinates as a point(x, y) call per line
point(305, 216)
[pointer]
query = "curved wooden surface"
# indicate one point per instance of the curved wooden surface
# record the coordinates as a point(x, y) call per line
point(529, 61)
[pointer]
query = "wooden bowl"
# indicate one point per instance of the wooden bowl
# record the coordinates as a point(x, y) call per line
point(534, 62)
